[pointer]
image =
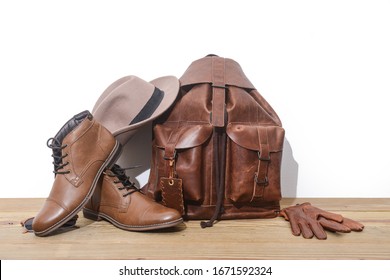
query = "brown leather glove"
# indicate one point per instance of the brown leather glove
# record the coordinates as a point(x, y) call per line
point(309, 220)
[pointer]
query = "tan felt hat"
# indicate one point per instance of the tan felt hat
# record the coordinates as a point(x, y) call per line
point(130, 102)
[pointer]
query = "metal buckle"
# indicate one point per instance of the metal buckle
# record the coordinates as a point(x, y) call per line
point(268, 158)
point(262, 182)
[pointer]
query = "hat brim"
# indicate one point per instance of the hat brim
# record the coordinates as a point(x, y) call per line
point(169, 85)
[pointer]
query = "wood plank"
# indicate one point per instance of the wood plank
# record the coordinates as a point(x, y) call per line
point(234, 239)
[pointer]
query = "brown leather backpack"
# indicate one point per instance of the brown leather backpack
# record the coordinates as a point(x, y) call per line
point(217, 153)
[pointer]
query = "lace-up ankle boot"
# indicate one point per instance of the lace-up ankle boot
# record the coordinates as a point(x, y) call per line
point(82, 149)
point(119, 202)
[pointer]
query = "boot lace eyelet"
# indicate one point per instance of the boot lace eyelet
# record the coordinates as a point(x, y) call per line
point(122, 179)
point(58, 163)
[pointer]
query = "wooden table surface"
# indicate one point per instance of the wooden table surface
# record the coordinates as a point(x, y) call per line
point(234, 239)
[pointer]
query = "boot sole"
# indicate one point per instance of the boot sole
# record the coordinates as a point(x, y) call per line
point(92, 215)
point(112, 158)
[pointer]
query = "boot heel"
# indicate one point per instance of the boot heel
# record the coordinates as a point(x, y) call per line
point(91, 215)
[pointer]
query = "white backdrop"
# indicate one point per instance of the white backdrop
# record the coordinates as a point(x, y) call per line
point(324, 66)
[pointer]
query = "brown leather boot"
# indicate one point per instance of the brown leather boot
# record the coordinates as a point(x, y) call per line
point(119, 202)
point(82, 149)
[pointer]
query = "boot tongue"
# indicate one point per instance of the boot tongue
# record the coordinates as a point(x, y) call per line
point(67, 127)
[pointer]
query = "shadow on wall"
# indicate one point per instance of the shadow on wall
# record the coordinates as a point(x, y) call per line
point(138, 152)
point(289, 176)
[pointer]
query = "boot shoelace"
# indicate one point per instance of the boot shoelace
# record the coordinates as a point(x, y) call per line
point(57, 148)
point(120, 174)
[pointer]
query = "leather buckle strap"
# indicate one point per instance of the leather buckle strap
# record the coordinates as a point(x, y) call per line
point(262, 170)
point(218, 85)
point(169, 157)
point(218, 120)
point(170, 147)
point(261, 176)
point(170, 153)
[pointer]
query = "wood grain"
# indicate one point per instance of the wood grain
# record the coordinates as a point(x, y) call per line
point(233, 239)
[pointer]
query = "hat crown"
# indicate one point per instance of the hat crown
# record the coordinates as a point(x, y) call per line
point(120, 106)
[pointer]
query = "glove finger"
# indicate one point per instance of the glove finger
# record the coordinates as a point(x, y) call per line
point(330, 216)
point(315, 213)
point(333, 226)
point(318, 230)
point(283, 214)
point(306, 230)
point(353, 225)
point(296, 230)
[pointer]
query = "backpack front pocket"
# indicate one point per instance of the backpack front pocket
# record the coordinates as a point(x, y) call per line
point(185, 151)
point(254, 155)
